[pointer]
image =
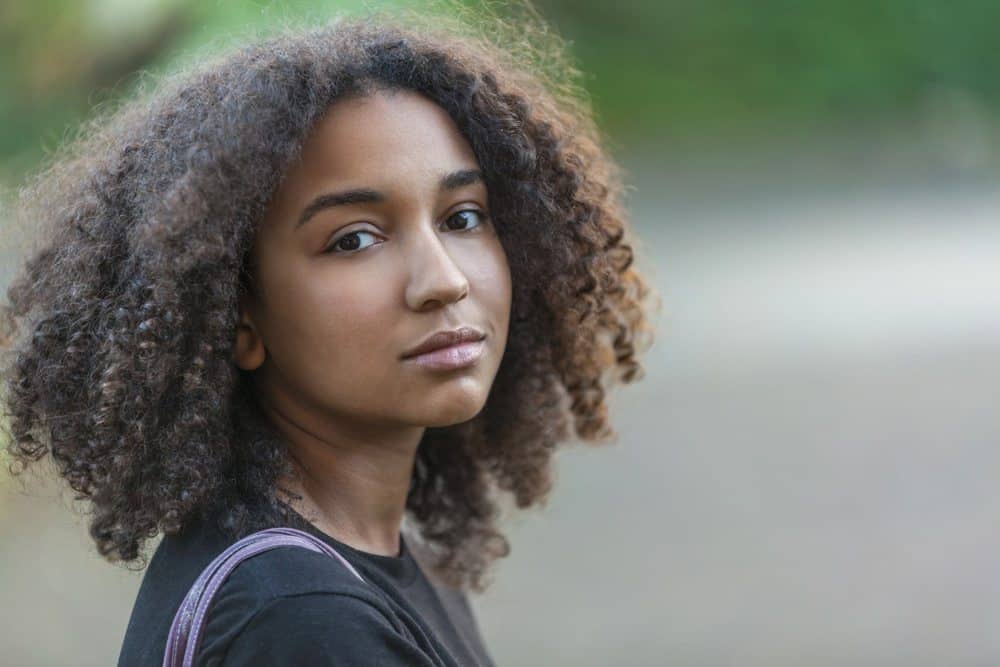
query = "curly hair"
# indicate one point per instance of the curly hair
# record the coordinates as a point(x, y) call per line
point(120, 324)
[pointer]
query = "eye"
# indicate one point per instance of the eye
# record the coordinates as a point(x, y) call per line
point(338, 246)
point(461, 215)
point(348, 243)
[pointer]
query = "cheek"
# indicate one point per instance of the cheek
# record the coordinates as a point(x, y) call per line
point(495, 280)
point(490, 280)
point(337, 319)
point(352, 315)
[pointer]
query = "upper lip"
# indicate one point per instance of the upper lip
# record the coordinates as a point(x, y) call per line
point(443, 339)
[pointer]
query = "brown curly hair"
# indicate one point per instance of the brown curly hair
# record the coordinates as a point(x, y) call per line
point(120, 324)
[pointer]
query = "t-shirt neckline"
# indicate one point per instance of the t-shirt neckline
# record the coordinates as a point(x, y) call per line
point(402, 569)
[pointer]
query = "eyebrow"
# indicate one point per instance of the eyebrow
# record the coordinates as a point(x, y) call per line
point(452, 181)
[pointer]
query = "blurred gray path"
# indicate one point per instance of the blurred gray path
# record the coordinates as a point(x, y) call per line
point(809, 474)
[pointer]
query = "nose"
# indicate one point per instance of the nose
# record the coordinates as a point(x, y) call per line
point(435, 278)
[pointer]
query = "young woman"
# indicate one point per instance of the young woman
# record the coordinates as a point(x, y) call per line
point(349, 280)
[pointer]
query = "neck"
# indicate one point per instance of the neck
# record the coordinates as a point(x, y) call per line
point(353, 485)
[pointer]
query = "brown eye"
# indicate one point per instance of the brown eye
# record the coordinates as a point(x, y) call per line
point(348, 243)
point(462, 216)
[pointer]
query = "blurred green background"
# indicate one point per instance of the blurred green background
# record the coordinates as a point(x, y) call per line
point(808, 472)
point(683, 71)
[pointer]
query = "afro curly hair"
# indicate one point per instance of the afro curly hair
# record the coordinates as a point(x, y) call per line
point(120, 324)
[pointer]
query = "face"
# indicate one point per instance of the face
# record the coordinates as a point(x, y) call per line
point(377, 238)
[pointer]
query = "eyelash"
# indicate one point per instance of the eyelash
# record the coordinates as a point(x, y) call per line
point(331, 249)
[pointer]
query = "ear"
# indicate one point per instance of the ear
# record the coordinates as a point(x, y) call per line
point(248, 351)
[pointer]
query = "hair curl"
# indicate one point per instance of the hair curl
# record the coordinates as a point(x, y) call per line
point(121, 322)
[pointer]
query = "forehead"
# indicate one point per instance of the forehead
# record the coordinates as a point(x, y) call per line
point(372, 137)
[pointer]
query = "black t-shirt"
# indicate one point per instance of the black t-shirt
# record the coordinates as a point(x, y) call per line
point(293, 606)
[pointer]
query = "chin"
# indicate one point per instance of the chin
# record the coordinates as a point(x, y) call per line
point(456, 413)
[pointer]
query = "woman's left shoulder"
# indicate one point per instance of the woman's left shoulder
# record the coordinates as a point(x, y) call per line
point(322, 629)
point(277, 586)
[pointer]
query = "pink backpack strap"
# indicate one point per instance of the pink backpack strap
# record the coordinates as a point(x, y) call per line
point(186, 629)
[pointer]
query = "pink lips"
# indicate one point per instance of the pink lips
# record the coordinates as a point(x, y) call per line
point(446, 350)
point(440, 339)
point(461, 355)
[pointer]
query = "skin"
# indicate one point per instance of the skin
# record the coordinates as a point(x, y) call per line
point(324, 332)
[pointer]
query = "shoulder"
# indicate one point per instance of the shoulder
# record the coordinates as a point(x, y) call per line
point(272, 590)
point(314, 629)
point(291, 570)
point(273, 594)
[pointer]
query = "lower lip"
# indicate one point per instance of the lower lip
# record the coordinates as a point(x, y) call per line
point(450, 358)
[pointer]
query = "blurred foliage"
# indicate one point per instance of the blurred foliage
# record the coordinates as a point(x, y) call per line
point(59, 59)
point(653, 67)
point(702, 65)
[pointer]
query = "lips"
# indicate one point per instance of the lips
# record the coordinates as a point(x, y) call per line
point(444, 339)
